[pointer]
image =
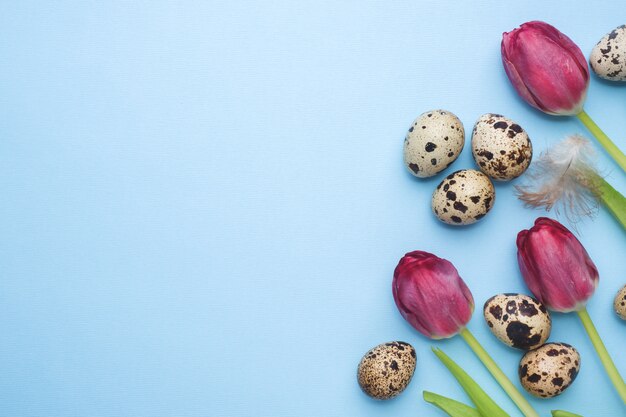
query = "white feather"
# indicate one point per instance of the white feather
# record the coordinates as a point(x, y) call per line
point(563, 178)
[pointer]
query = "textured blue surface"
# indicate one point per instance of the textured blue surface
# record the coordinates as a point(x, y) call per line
point(203, 202)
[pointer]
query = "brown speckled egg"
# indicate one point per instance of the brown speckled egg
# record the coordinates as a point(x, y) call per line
point(620, 303)
point(434, 141)
point(547, 371)
point(518, 320)
point(608, 57)
point(463, 197)
point(386, 370)
point(501, 148)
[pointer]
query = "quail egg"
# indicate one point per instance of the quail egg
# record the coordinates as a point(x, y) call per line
point(433, 142)
point(547, 371)
point(518, 320)
point(386, 370)
point(608, 57)
point(463, 197)
point(501, 148)
point(620, 303)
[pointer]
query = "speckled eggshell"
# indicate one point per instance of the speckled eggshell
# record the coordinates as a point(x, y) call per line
point(608, 57)
point(620, 303)
point(463, 197)
point(518, 320)
point(434, 141)
point(501, 148)
point(386, 370)
point(547, 371)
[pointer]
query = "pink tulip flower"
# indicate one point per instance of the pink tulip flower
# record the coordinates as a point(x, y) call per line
point(431, 295)
point(546, 68)
point(555, 266)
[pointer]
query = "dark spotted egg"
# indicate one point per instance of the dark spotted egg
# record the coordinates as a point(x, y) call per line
point(620, 303)
point(463, 197)
point(501, 148)
point(433, 142)
point(549, 370)
point(386, 370)
point(608, 57)
point(518, 320)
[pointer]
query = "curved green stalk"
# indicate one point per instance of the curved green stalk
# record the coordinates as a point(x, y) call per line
point(506, 384)
point(614, 201)
point(605, 358)
point(617, 155)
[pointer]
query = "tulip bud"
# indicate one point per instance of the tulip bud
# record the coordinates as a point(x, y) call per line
point(556, 266)
point(431, 295)
point(546, 68)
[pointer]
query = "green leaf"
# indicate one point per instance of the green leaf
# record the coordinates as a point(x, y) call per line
point(449, 406)
point(485, 405)
point(561, 413)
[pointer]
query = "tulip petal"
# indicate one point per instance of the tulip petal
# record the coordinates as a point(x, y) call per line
point(550, 72)
point(565, 41)
point(517, 81)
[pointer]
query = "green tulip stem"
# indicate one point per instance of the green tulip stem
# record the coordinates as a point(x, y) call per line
point(617, 155)
point(614, 201)
point(605, 358)
point(498, 375)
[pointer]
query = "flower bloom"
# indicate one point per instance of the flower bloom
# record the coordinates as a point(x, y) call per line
point(556, 266)
point(546, 68)
point(431, 295)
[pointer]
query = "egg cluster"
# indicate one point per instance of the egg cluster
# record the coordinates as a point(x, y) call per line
point(501, 148)
point(522, 322)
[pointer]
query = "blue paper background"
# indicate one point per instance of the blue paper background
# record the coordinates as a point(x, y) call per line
point(203, 202)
